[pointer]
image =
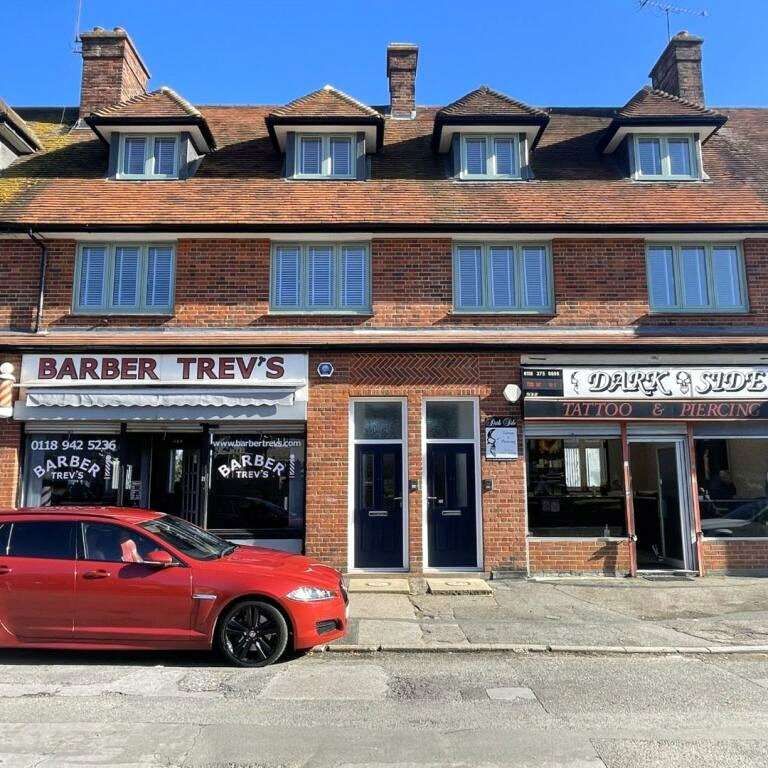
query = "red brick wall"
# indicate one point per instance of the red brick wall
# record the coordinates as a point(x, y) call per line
point(590, 556)
point(734, 557)
point(413, 377)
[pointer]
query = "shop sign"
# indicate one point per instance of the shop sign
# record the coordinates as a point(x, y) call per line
point(248, 459)
point(175, 369)
point(678, 410)
point(501, 438)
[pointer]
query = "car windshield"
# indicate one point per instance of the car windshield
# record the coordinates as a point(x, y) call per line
point(751, 511)
point(188, 538)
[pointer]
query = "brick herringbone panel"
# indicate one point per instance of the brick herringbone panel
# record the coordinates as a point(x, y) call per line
point(445, 368)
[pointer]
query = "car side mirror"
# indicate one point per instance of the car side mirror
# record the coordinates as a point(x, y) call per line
point(159, 558)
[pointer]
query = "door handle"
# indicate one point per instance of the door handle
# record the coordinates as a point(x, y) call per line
point(4, 570)
point(435, 498)
point(98, 574)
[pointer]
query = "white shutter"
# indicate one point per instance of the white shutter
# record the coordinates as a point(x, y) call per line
point(469, 277)
point(287, 283)
point(341, 156)
point(354, 275)
point(125, 278)
point(679, 151)
point(475, 151)
point(693, 267)
point(93, 268)
point(159, 277)
point(502, 277)
point(661, 278)
point(649, 157)
point(536, 288)
point(311, 156)
point(134, 150)
point(165, 156)
point(726, 274)
point(320, 277)
point(505, 151)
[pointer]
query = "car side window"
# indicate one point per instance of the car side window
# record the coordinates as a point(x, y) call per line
point(49, 539)
point(115, 544)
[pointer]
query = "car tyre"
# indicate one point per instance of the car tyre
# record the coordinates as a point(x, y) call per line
point(253, 633)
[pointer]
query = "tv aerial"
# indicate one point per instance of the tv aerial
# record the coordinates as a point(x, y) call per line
point(669, 9)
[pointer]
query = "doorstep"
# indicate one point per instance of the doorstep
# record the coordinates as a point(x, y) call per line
point(379, 584)
point(457, 585)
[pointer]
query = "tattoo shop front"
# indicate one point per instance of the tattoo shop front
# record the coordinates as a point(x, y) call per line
point(216, 438)
point(637, 467)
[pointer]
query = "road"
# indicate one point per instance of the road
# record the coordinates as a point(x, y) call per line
point(397, 710)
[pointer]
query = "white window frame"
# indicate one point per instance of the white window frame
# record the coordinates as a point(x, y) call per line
point(325, 156)
point(474, 440)
point(149, 156)
point(107, 307)
point(303, 307)
point(490, 157)
point(352, 477)
point(711, 308)
point(485, 307)
point(694, 154)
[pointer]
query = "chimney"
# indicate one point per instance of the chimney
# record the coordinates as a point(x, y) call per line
point(112, 69)
point(401, 71)
point(678, 70)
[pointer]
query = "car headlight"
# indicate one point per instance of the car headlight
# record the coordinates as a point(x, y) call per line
point(310, 594)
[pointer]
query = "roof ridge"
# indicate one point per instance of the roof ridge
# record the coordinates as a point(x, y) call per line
point(499, 95)
point(181, 101)
point(351, 100)
point(163, 90)
point(648, 89)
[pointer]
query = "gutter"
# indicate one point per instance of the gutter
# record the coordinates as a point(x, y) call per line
point(43, 246)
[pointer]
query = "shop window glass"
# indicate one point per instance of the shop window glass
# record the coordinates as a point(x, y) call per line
point(257, 484)
point(575, 487)
point(71, 470)
point(451, 420)
point(733, 487)
point(378, 420)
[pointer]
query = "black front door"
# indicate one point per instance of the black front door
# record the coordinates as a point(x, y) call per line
point(379, 506)
point(451, 511)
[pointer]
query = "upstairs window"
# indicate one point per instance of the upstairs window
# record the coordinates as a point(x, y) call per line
point(658, 158)
point(490, 157)
point(124, 279)
point(325, 157)
point(148, 157)
point(696, 278)
point(321, 278)
point(503, 278)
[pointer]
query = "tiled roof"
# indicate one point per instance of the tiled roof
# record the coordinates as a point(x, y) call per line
point(13, 119)
point(240, 185)
point(325, 102)
point(650, 102)
point(487, 102)
point(164, 102)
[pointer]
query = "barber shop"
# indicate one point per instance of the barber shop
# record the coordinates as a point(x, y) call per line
point(217, 439)
point(650, 467)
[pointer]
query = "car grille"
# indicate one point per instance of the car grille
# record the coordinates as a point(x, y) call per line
point(329, 625)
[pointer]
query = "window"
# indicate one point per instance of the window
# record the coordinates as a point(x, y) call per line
point(54, 539)
point(378, 420)
point(114, 544)
point(148, 157)
point(450, 420)
point(325, 156)
point(575, 487)
point(490, 157)
point(128, 278)
point(664, 157)
point(696, 278)
point(320, 278)
point(502, 278)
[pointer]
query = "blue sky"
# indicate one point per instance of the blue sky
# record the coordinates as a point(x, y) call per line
point(544, 52)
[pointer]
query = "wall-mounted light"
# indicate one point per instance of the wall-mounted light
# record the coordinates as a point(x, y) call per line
point(512, 393)
point(325, 370)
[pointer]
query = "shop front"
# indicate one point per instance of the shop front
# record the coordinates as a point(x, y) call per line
point(647, 467)
point(218, 439)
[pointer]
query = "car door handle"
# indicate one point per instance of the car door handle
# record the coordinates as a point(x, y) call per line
point(4, 570)
point(98, 574)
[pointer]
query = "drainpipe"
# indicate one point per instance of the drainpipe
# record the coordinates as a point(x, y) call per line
point(42, 245)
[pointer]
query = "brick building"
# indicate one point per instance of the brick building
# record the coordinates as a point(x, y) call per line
point(485, 336)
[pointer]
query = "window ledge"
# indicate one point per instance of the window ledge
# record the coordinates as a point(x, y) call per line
point(502, 312)
point(670, 313)
point(80, 313)
point(595, 539)
point(323, 312)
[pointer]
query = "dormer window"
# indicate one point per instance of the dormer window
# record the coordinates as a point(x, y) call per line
point(664, 158)
point(325, 156)
point(490, 156)
point(148, 157)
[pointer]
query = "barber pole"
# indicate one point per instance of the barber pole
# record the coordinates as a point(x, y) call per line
point(7, 381)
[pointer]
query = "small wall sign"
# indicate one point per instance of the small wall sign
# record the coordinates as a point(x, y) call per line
point(501, 438)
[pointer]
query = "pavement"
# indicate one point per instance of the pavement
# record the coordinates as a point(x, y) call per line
point(384, 710)
point(687, 615)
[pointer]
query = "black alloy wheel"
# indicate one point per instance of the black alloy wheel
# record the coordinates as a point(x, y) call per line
point(253, 634)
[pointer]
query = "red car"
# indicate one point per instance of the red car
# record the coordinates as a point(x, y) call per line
point(97, 577)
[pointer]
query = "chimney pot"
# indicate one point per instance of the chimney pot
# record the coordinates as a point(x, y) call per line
point(402, 59)
point(678, 70)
